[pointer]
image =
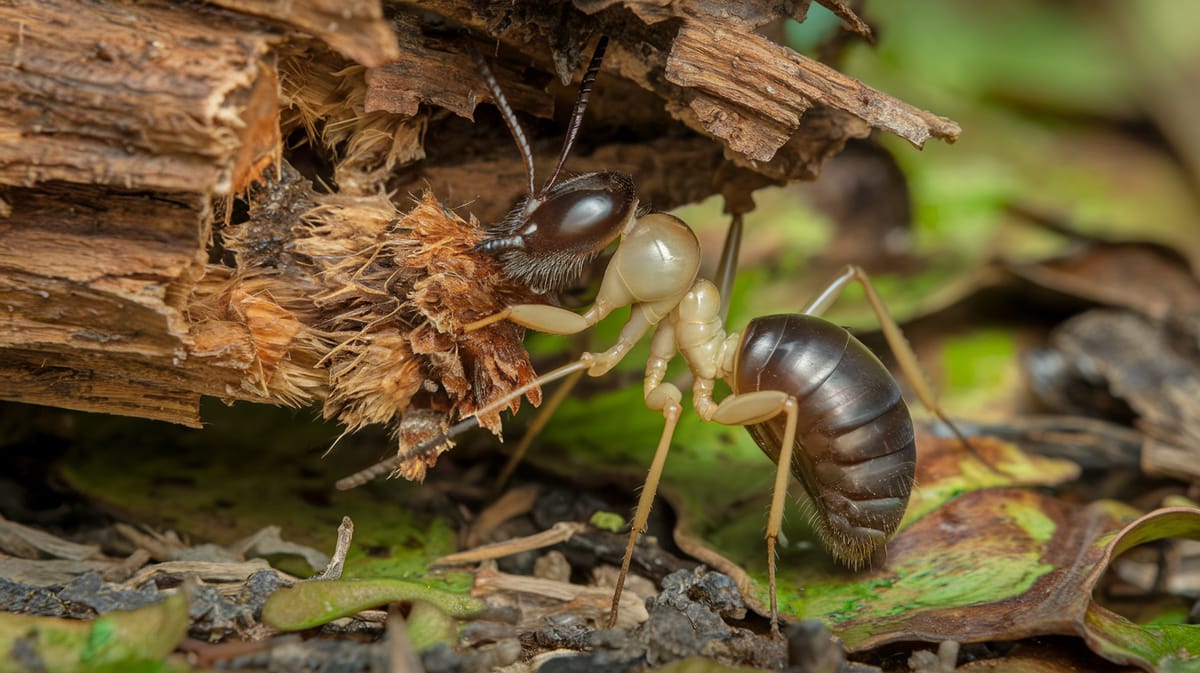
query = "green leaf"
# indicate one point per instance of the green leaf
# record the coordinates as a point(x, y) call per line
point(127, 640)
point(308, 604)
point(1160, 647)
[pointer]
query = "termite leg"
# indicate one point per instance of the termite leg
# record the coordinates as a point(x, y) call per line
point(671, 412)
point(535, 427)
point(905, 356)
point(778, 495)
point(663, 397)
point(759, 407)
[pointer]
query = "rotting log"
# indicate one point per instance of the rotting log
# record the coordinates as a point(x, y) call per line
point(145, 96)
point(221, 200)
point(121, 123)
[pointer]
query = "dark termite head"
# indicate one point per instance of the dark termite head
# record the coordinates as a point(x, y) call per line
point(546, 242)
point(555, 231)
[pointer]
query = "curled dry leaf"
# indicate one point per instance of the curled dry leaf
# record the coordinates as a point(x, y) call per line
point(1162, 647)
point(1122, 365)
point(999, 564)
point(1004, 564)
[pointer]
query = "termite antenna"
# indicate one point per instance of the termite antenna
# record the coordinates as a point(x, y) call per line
point(581, 103)
point(431, 445)
point(506, 111)
point(391, 464)
point(367, 475)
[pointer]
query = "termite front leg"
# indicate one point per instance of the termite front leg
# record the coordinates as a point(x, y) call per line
point(905, 356)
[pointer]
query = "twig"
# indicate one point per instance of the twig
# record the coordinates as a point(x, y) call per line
point(401, 657)
point(560, 532)
point(337, 562)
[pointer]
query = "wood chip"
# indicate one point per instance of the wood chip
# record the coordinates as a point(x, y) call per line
point(268, 542)
point(46, 572)
point(513, 503)
point(594, 602)
point(202, 570)
point(777, 84)
point(17, 536)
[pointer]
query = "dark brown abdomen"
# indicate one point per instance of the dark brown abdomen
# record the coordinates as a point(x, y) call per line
point(854, 451)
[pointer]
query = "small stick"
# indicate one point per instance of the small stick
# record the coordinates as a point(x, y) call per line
point(337, 562)
point(558, 533)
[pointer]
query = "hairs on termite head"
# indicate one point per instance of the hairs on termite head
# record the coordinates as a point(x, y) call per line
point(546, 255)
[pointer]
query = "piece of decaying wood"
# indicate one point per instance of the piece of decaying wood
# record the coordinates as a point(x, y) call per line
point(749, 71)
point(123, 122)
point(205, 570)
point(433, 70)
point(96, 305)
point(136, 126)
point(21, 540)
point(356, 28)
point(144, 96)
point(670, 60)
point(92, 303)
point(746, 15)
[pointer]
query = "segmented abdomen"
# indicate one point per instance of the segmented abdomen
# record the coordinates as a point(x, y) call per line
point(855, 452)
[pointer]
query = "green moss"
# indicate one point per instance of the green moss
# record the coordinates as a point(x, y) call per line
point(609, 521)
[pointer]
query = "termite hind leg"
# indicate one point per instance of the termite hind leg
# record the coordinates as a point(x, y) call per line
point(671, 412)
point(778, 496)
point(905, 357)
point(535, 427)
point(757, 407)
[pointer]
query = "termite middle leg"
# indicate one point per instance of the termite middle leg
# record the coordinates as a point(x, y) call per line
point(905, 356)
point(671, 412)
point(659, 396)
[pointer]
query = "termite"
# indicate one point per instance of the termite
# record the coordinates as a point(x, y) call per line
point(817, 401)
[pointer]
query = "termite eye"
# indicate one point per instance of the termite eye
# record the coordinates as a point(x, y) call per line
point(582, 214)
